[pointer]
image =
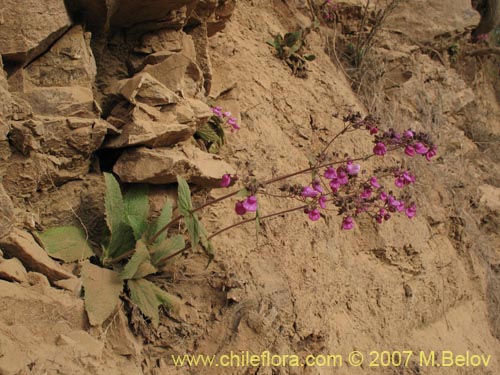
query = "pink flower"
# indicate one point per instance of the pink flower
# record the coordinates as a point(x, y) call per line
point(240, 208)
point(373, 130)
point(383, 196)
point(410, 151)
point(330, 173)
point(225, 180)
point(308, 192)
point(411, 211)
point(348, 223)
point(353, 169)
point(420, 148)
point(408, 134)
point(217, 111)
point(366, 194)
point(322, 201)
point(431, 153)
point(335, 185)
point(342, 177)
point(404, 179)
point(250, 203)
point(317, 185)
point(374, 182)
point(233, 122)
point(380, 149)
point(314, 215)
point(226, 114)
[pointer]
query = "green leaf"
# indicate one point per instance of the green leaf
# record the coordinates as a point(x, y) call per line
point(160, 222)
point(206, 133)
point(167, 247)
point(193, 227)
point(102, 289)
point(309, 57)
point(148, 298)
point(137, 209)
point(122, 238)
point(292, 38)
point(139, 265)
point(66, 243)
point(243, 193)
point(115, 208)
point(206, 244)
point(184, 197)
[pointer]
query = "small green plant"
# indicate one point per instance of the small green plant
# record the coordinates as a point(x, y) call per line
point(453, 52)
point(134, 249)
point(290, 48)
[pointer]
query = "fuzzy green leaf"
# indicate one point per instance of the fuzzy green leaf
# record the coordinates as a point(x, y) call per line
point(167, 247)
point(148, 298)
point(184, 197)
point(66, 243)
point(102, 288)
point(243, 193)
point(137, 209)
point(139, 265)
point(160, 222)
point(193, 227)
point(292, 38)
point(206, 133)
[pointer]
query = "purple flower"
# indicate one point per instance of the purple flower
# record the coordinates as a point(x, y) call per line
point(431, 153)
point(383, 196)
point(353, 169)
point(420, 148)
point(250, 203)
point(226, 114)
point(366, 194)
point(330, 173)
point(348, 223)
point(373, 130)
point(374, 182)
point(314, 215)
point(308, 192)
point(335, 185)
point(410, 151)
point(217, 111)
point(408, 134)
point(404, 179)
point(380, 149)
point(316, 184)
point(342, 177)
point(225, 180)
point(393, 202)
point(322, 201)
point(240, 208)
point(411, 211)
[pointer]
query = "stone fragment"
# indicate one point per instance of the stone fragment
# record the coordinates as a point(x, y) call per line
point(490, 197)
point(73, 285)
point(120, 337)
point(162, 165)
point(143, 88)
point(28, 28)
point(6, 213)
point(149, 127)
point(23, 246)
point(13, 270)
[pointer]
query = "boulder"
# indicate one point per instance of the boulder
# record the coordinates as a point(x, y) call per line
point(29, 27)
point(13, 270)
point(163, 165)
point(143, 88)
point(6, 213)
point(425, 19)
point(149, 127)
point(23, 246)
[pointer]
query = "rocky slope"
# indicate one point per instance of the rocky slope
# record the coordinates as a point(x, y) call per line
point(113, 85)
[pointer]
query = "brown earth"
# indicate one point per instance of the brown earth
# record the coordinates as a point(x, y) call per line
point(432, 283)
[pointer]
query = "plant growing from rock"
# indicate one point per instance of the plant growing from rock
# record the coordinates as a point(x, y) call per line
point(290, 48)
point(137, 248)
point(211, 136)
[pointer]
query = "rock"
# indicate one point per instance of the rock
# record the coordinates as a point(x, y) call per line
point(69, 62)
point(162, 165)
point(61, 101)
point(152, 128)
point(490, 197)
point(425, 19)
point(29, 27)
point(73, 285)
point(143, 88)
point(179, 73)
point(165, 40)
point(120, 338)
point(200, 38)
point(13, 270)
point(39, 280)
point(6, 213)
point(23, 246)
point(85, 344)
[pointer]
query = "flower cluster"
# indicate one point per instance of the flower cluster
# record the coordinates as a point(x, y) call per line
point(412, 142)
point(328, 10)
point(247, 205)
point(226, 117)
